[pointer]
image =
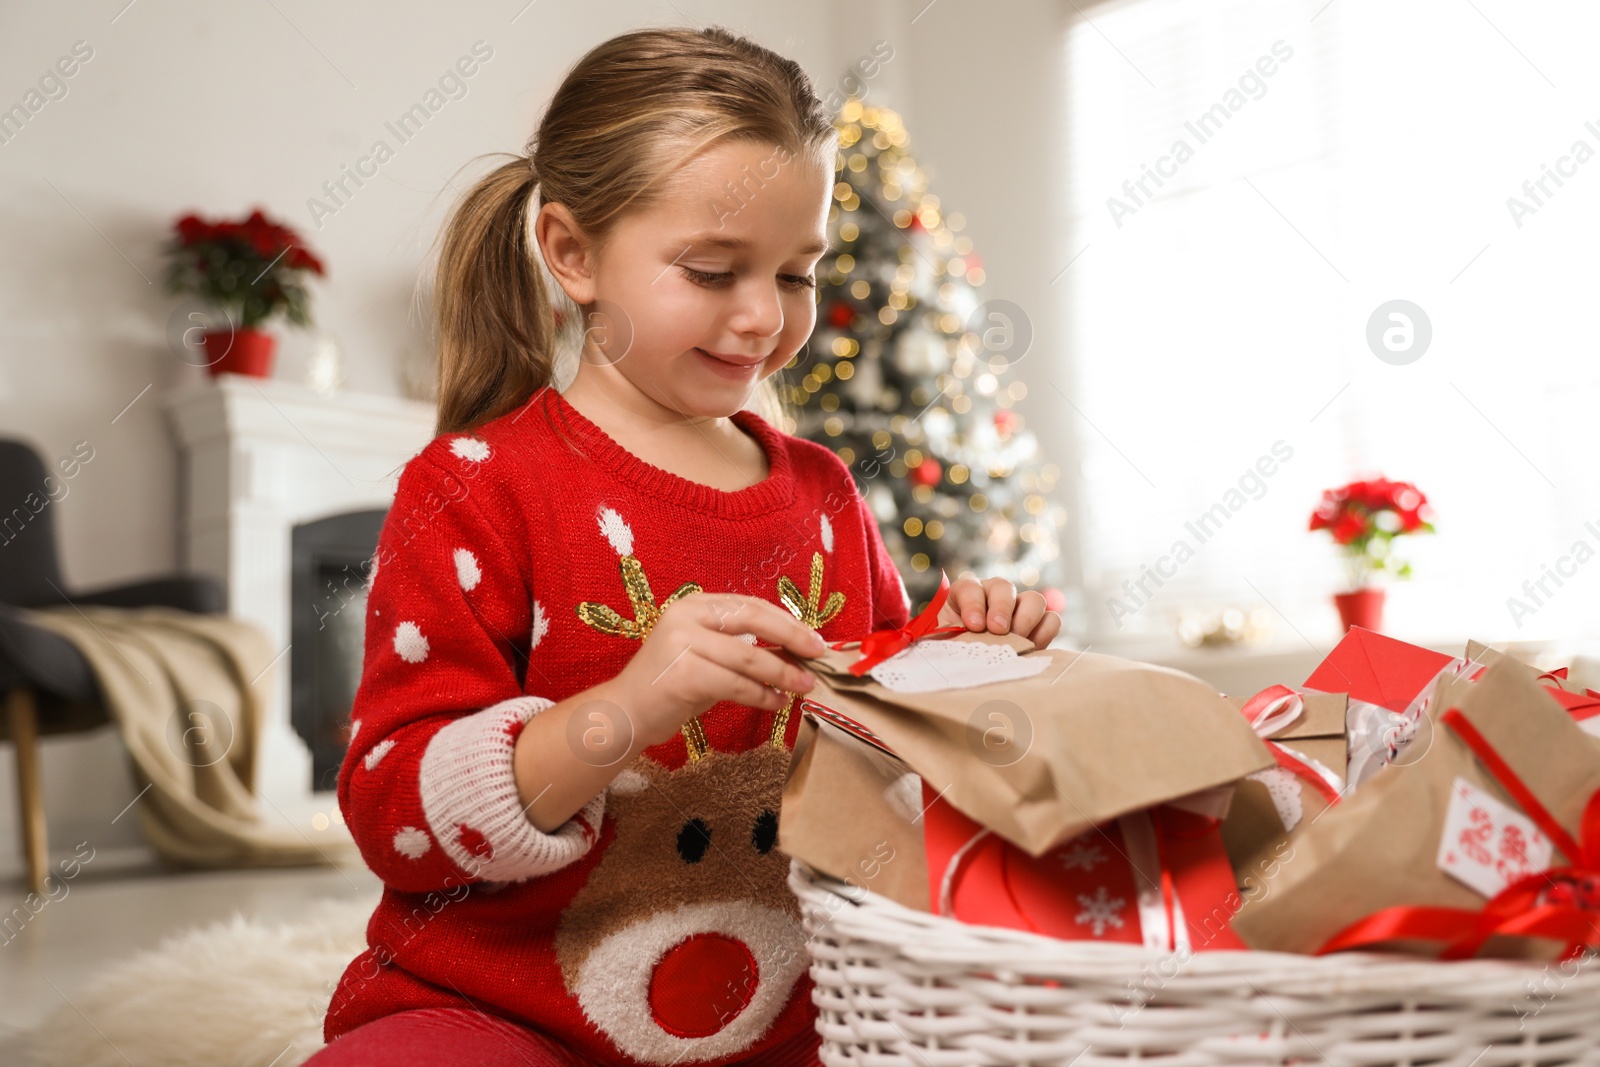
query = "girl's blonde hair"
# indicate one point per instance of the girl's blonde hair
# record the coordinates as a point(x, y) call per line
point(626, 114)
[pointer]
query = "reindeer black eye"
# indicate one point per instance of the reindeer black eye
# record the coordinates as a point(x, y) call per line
point(765, 832)
point(693, 840)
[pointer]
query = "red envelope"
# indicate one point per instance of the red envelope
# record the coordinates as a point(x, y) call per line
point(1377, 669)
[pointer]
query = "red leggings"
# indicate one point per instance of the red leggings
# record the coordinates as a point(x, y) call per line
point(465, 1037)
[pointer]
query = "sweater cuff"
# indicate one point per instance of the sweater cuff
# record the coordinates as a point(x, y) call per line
point(470, 799)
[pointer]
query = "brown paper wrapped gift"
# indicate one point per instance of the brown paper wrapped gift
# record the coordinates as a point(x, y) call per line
point(860, 814)
point(1042, 759)
point(851, 810)
point(1581, 703)
point(1381, 846)
point(1261, 818)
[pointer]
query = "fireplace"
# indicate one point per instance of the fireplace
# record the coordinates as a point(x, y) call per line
point(329, 564)
point(285, 488)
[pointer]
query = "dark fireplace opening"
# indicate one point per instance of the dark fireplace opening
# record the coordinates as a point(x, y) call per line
point(329, 564)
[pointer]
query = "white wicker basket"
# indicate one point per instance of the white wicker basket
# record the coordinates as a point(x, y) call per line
point(903, 988)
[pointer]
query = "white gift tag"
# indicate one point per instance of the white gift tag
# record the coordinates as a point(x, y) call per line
point(929, 666)
point(1488, 845)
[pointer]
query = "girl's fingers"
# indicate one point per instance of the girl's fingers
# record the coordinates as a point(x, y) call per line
point(1029, 611)
point(1047, 630)
point(761, 666)
point(736, 613)
point(1002, 602)
point(740, 688)
point(966, 604)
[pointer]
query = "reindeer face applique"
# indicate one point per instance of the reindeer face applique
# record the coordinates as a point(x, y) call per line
point(685, 942)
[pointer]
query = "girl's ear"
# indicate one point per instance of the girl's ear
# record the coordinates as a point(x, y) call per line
point(565, 249)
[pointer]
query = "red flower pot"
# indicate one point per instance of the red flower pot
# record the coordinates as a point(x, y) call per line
point(240, 352)
point(1360, 607)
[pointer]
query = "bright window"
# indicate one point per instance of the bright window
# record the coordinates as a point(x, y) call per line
point(1317, 160)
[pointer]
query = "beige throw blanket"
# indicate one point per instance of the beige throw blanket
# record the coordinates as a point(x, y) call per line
point(189, 692)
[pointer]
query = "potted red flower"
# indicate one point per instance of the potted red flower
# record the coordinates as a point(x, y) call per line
point(1364, 518)
point(250, 270)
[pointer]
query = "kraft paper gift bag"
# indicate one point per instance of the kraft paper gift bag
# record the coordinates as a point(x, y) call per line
point(1489, 828)
point(1039, 745)
point(850, 809)
point(1582, 704)
point(853, 811)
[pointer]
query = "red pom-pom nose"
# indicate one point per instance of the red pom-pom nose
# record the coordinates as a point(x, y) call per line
point(701, 984)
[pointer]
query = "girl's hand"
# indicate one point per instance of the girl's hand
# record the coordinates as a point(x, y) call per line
point(995, 606)
point(694, 657)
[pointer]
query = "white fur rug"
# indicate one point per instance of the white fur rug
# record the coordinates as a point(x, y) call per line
point(240, 992)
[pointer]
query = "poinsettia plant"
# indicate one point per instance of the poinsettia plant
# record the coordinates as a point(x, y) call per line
point(1365, 517)
point(251, 268)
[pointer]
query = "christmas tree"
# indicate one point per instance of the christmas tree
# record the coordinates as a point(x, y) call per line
point(909, 378)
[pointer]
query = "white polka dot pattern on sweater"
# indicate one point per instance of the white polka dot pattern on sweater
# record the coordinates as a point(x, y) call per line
point(467, 571)
point(616, 530)
point(379, 750)
point(470, 449)
point(541, 626)
point(411, 842)
point(409, 643)
point(827, 534)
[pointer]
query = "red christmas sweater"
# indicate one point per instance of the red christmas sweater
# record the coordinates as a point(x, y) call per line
point(519, 564)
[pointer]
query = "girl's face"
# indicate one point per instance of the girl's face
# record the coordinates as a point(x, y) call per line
point(695, 299)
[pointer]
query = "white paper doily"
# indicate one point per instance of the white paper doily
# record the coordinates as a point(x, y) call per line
point(929, 666)
point(1284, 789)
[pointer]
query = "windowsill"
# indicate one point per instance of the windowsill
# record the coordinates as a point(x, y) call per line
point(1243, 669)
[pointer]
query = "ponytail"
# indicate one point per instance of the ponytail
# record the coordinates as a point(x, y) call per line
point(496, 326)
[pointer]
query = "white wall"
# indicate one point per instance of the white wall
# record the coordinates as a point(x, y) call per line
point(213, 108)
point(986, 109)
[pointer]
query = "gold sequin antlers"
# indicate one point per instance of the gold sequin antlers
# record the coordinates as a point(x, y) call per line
point(645, 615)
point(808, 611)
point(805, 608)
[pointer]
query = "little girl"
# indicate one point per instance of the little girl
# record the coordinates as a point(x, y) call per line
point(588, 607)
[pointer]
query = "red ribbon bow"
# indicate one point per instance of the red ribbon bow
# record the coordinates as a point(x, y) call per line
point(881, 644)
point(1562, 903)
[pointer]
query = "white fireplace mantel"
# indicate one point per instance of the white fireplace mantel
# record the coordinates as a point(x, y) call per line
point(258, 457)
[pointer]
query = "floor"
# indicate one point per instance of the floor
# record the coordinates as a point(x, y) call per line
point(127, 902)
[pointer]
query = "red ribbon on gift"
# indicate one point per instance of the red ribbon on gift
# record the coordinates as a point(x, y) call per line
point(1581, 706)
point(881, 644)
point(1562, 903)
point(1270, 711)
